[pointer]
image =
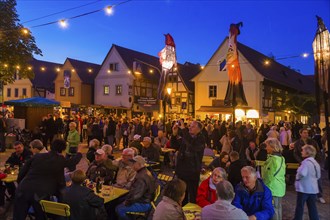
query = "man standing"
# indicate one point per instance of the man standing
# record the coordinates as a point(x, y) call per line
point(222, 207)
point(253, 196)
point(190, 145)
point(141, 192)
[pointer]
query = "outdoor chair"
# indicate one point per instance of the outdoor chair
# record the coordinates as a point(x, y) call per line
point(144, 215)
point(55, 208)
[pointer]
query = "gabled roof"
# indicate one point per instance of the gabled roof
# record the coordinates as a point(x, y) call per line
point(187, 70)
point(129, 56)
point(82, 67)
point(275, 71)
point(44, 78)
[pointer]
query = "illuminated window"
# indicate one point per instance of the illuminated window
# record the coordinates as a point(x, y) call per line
point(71, 91)
point(119, 89)
point(62, 91)
point(106, 90)
point(304, 119)
point(212, 91)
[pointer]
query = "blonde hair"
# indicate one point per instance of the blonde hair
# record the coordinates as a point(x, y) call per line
point(274, 144)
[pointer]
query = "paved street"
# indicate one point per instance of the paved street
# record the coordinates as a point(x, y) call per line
point(289, 200)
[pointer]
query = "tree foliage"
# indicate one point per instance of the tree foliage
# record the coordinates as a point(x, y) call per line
point(17, 45)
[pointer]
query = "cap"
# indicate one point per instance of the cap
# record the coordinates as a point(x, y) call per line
point(138, 159)
point(100, 152)
point(147, 139)
point(136, 137)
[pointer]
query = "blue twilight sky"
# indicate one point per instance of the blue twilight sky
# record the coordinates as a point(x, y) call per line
point(283, 28)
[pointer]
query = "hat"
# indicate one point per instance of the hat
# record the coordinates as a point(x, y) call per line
point(138, 159)
point(136, 137)
point(100, 152)
point(147, 139)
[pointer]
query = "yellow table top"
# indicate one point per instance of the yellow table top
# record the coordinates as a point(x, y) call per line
point(192, 211)
point(166, 150)
point(10, 178)
point(109, 193)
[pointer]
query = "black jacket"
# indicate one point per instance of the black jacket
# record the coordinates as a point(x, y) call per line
point(234, 172)
point(152, 153)
point(190, 154)
point(43, 174)
point(83, 202)
point(19, 160)
point(142, 189)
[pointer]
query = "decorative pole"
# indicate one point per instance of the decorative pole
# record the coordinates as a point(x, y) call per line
point(321, 48)
point(235, 93)
point(167, 58)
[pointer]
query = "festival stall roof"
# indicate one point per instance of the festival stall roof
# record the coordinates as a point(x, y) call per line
point(32, 110)
point(33, 102)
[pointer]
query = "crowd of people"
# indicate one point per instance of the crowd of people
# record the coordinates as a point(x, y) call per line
point(236, 188)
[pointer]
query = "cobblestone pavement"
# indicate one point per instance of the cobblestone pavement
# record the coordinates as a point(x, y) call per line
point(288, 202)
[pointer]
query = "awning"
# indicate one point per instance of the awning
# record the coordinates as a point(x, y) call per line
point(220, 109)
point(34, 101)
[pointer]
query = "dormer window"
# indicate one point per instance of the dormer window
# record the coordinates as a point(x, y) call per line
point(114, 66)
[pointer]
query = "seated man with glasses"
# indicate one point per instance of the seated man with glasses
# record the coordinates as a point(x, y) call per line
point(206, 193)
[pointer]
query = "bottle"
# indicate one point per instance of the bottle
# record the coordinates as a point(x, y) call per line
point(98, 185)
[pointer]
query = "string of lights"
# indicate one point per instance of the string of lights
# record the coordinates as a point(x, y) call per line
point(64, 22)
point(60, 12)
point(266, 62)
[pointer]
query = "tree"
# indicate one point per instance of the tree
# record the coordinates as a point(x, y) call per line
point(17, 45)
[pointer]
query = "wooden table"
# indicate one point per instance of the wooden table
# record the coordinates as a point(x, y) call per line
point(192, 211)
point(109, 193)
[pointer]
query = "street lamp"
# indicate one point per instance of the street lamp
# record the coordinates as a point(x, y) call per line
point(167, 97)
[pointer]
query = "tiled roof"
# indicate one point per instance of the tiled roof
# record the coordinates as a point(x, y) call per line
point(187, 70)
point(129, 56)
point(44, 78)
point(82, 68)
point(276, 72)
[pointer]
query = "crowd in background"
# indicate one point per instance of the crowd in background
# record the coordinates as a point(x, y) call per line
point(238, 147)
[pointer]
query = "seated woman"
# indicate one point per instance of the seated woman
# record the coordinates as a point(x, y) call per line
point(206, 193)
point(221, 161)
point(83, 201)
point(171, 205)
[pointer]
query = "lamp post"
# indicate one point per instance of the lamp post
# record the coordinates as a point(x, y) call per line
point(167, 96)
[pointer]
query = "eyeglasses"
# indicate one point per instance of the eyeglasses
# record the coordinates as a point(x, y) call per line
point(217, 176)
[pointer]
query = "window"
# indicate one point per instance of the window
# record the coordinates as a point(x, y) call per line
point(16, 92)
point(212, 91)
point(114, 66)
point(119, 89)
point(24, 92)
point(304, 119)
point(71, 91)
point(62, 91)
point(106, 90)
point(8, 92)
point(130, 90)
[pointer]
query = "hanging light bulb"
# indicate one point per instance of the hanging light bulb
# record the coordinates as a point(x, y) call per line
point(305, 55)
point(108, 10)
point(25, 31)
point(63, 23)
